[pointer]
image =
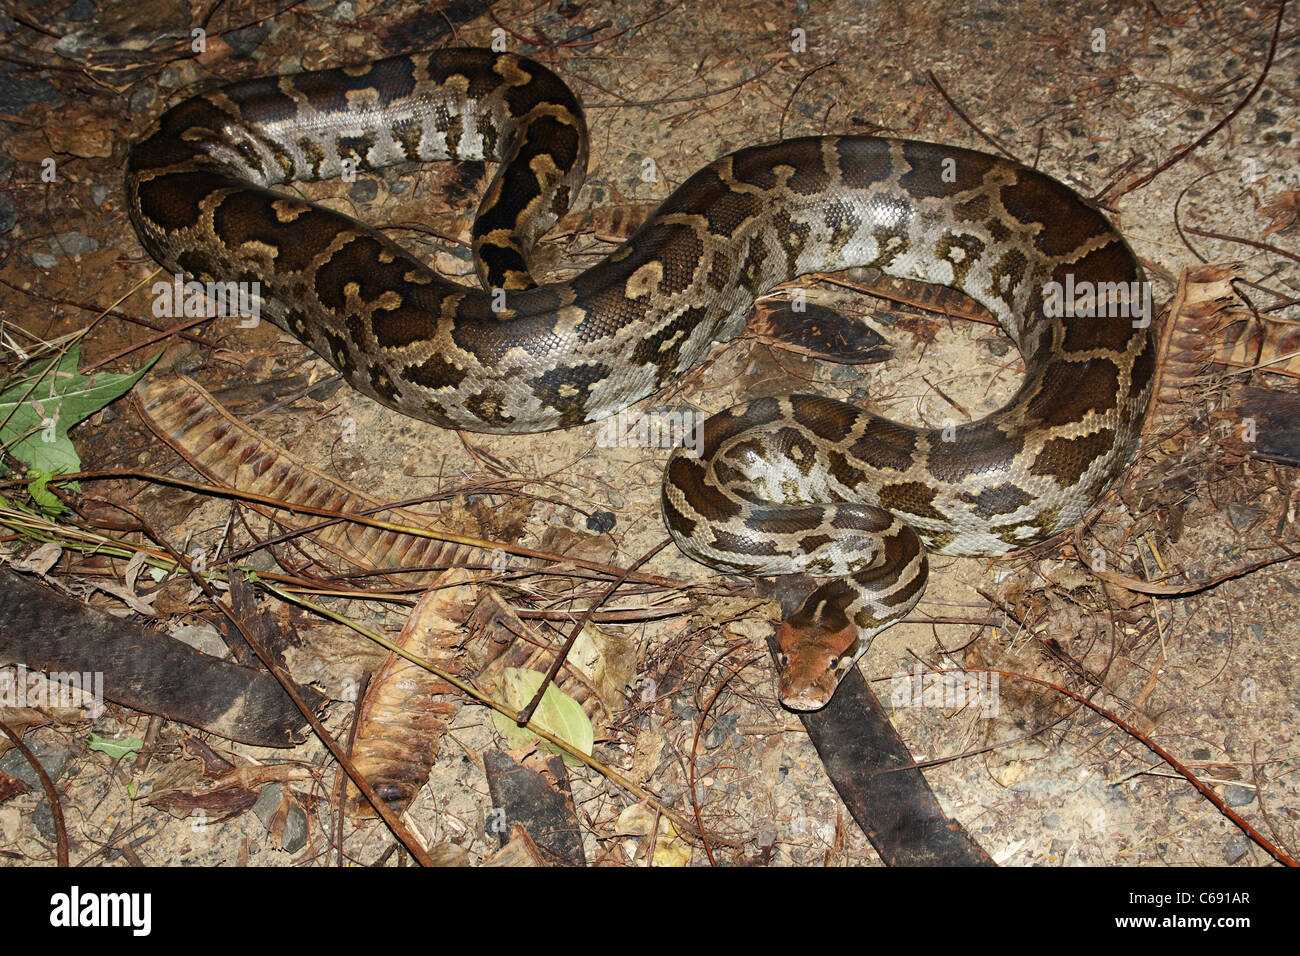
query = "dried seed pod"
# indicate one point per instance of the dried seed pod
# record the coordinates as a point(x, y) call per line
point(404, 713)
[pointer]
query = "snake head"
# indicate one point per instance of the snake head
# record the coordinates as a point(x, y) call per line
point(816, 647)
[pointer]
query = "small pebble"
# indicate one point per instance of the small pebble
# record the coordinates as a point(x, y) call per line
point(1235, 796)
point(363, 190)
point(602, 522)
point(73, 244)
point(1234, 848)
point(8, 214)
point(80, 11)
point(141, 99)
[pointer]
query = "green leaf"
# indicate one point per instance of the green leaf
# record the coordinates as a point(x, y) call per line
point(36, 418)
point(557, 714)
point(39, 490)
point(117, 749)
point(16, 506)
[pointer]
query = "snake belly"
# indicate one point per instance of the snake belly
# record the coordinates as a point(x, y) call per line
point(794, 484)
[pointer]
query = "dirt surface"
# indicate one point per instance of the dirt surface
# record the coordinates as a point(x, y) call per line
point(1094, 95)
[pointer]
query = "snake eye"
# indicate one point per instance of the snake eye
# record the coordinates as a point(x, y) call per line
point(783, 659)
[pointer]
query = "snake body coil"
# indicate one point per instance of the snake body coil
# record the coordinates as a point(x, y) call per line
point(796, 484)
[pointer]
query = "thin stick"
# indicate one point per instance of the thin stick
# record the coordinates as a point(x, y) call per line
point(991, 140)
point(225, 491)
point(1164, 755)
point(1205, 137)
point(478, 696)
point(390, 819)
point(526, 714)
point(56, 808)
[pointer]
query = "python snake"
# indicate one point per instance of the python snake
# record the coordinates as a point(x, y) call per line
point(794, 484)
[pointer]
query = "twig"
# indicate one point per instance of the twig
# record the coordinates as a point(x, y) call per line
point(477, 695)
point(526, 714)
point(1165, 755)
point(225, 491)
point(780, 129)
point(1170, 590)
point(695, 741)
point(56, 808)
point(683, 99)
point(988, 138)
point(390, 819)
point(1245, 242)
point(1205, 137)
point(115, 313)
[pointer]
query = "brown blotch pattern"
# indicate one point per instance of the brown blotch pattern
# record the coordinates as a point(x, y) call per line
point(382, 386)
point(910, 498)
point(795, 445)
point(1111, 263)
point(1144, 366)
point(812, 542)
point(175, 201)
point(357, 263)
point(845, 472)
point(435, 372)
point(331, 90)
point(824, 417)
point(793, 236)
point(673, 518)
point(843, 222)
point(730, 210)
point(1041, 528)
point(784, 520)
point(158, 152)
point(740, 545)
point(718, 428)
point(799, 163)
point(936, 541)
point(489, 406)
point(751, 270)
point(651, 350)
point(565, 388)
point(929, 169)
point(863, 161)
point(340, 355)
point(707, 501)
point(1071, 390)
point(1034, 199)
point(886, 444)
point(719, 275)
point(249, 215)
point(1008, 273)
point(978, 448)
point(1066, 459)
point(356, 148)
point(972, 247)
point(1001, 499)
point(867, 518)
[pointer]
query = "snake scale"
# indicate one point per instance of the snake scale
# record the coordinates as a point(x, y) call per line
point(793, 484)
